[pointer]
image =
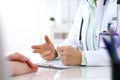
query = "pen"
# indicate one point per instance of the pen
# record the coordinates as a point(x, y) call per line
point(110, 46)
point(114, 45)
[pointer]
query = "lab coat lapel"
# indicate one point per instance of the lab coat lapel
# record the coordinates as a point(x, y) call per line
point(85, 10)
point(90, 30)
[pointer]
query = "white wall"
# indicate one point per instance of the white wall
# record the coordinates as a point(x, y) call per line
point(68, 11)
point(25, 22)
point(21, 24)
point(63, 11)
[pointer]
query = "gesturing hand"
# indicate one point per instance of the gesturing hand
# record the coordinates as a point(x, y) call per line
point(45, 50)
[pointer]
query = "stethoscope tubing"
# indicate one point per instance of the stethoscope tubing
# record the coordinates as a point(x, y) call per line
point(118, 7)
point(118, 16)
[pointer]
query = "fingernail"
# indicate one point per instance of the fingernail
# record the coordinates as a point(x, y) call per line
point(36, 68)
point(25, 59)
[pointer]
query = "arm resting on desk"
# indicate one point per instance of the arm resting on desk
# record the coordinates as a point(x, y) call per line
point(19, 64)
point(18, 68)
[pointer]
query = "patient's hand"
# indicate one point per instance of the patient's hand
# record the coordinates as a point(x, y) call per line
point(20, 64)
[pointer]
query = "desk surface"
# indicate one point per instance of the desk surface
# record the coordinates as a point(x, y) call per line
point(74, 73)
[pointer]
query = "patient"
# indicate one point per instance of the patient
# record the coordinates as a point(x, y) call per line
point(20, 64)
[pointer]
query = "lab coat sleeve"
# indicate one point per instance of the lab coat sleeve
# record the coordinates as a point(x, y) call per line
point(73, 39)
point(96, 58)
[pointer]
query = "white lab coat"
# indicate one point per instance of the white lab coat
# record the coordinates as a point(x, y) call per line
point(98, 57)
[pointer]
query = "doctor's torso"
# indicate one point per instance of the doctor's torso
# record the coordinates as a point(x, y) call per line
point(102, 16)
point(88, 43)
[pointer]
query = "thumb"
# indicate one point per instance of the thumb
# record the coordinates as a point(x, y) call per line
point(17, 57)
point(47, 39)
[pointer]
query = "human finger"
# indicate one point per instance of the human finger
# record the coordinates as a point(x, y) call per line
point(64, 60)
point(36, 46)
point(46, 53)
point(17, 57)
point(60, 49)
point(31, 65)
point(62, 55)
point(42, 47)
point(48, 57)
point(37, 51)
point(47, 39)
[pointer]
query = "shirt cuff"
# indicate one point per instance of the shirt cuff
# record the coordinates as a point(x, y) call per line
point(58, 56)
point(96, 58)
point(84, 61)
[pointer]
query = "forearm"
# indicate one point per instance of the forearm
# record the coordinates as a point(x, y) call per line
point(17, 68)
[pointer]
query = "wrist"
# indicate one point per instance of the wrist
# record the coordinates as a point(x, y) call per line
point(56, 54)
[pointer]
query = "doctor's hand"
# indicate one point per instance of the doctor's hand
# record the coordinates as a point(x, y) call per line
point(45, 50)
point(69, 55)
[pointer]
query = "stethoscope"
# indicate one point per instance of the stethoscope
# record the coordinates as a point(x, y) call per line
point(109, 31)
point(108, 27)
point(118, 13)
point(104, 3)
point(80, 46)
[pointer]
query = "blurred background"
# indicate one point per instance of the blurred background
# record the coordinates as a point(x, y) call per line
point(25, 22)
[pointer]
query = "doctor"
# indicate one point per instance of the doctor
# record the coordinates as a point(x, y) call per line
point(83, 45)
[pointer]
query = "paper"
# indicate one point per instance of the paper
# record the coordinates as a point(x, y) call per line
point(56, 64)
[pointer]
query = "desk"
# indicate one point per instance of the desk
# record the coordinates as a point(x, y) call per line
point(74, 73)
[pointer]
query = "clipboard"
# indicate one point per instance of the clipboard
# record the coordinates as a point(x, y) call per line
point(55, 64)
